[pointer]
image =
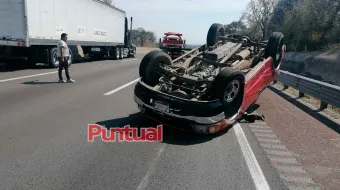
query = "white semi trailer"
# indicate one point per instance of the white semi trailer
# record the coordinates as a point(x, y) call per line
point(30, 29)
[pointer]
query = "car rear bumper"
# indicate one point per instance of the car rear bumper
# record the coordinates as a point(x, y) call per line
point(182, 113)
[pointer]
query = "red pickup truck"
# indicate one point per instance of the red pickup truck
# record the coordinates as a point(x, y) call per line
point(172, 44)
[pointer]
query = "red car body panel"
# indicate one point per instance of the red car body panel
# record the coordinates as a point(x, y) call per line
point(259, 82)
point(168, 41)
point(172, 39)
point(254, 86)
point(173, 44)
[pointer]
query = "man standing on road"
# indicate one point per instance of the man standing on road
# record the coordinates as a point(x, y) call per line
point(63, 57)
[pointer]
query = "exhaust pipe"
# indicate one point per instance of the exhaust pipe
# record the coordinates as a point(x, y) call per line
point(243, 54)
point(126, 35)
point(130, 33)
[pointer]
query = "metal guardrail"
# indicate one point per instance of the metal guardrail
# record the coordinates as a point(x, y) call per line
point(326, 93)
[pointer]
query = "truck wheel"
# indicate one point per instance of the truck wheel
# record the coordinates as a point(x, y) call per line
point(54, 63)
point(121, 53)
point(274, 48)
point(117, 54)
point(228, 87)
point(148, 67)
point(216, 30)
point(134, 53)
point(70, 61)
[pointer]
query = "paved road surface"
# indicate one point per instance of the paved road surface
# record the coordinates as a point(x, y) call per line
point(43, 137)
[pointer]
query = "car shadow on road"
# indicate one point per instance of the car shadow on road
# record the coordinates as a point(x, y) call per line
point(314, 113)
point(170, 135)
point(39, 83)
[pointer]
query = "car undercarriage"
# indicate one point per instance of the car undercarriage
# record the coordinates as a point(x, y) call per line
point(209, 80)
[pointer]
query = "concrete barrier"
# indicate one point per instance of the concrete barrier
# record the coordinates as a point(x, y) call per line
point(320, 65)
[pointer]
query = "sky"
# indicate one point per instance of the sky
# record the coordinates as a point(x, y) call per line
point(192, 18)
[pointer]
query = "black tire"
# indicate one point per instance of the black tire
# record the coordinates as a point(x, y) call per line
point(216, 30)
point(274, 48)
point(148, 64)
point(54, 63)
point(132, 53)
point(143, 64)
point(121, 53)
point(223, 82)
point(70, 61)
point(116, 53)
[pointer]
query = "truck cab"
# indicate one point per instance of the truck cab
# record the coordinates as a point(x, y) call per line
point(173, 44)
point(172, 40)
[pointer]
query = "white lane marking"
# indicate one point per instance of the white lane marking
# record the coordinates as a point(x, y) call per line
point(278, 153)
point(253, 166)
point(129, 60)
point(274, 146)
point(269, 140)
point(11, 79)
point(121, 87)
point(265, 135)
point(282, 160)
point(259, 127)
point(262, 131)
point(41, 74)
point(297, 179)
point(152, 168)
point(291, 169)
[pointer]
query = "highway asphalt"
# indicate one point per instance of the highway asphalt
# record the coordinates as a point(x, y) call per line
point(43, 137)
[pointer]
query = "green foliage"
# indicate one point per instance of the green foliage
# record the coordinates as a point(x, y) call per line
point(236, 27)
point(307, 24)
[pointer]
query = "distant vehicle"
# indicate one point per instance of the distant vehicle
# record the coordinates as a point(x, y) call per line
point(210, 87)
point(172, 44)
point(30, 30)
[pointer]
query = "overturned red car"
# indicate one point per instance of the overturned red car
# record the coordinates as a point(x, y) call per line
point(210, 87)
point(172, 44)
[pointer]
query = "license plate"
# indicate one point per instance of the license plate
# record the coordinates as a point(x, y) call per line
point(161, 107)
point(95, 49)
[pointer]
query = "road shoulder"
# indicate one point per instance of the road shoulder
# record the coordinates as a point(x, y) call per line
point(312, 140)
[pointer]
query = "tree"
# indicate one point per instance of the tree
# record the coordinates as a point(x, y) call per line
point(236, 27)
point(306, 24)
point(142, 37)
point(318, 24)
point(278, 18)
point(259, 12)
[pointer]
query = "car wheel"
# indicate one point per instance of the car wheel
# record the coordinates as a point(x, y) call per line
point(148, 67)
point(216, 30)
point(274, 48)
point(145, 60)
point(228, 87)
